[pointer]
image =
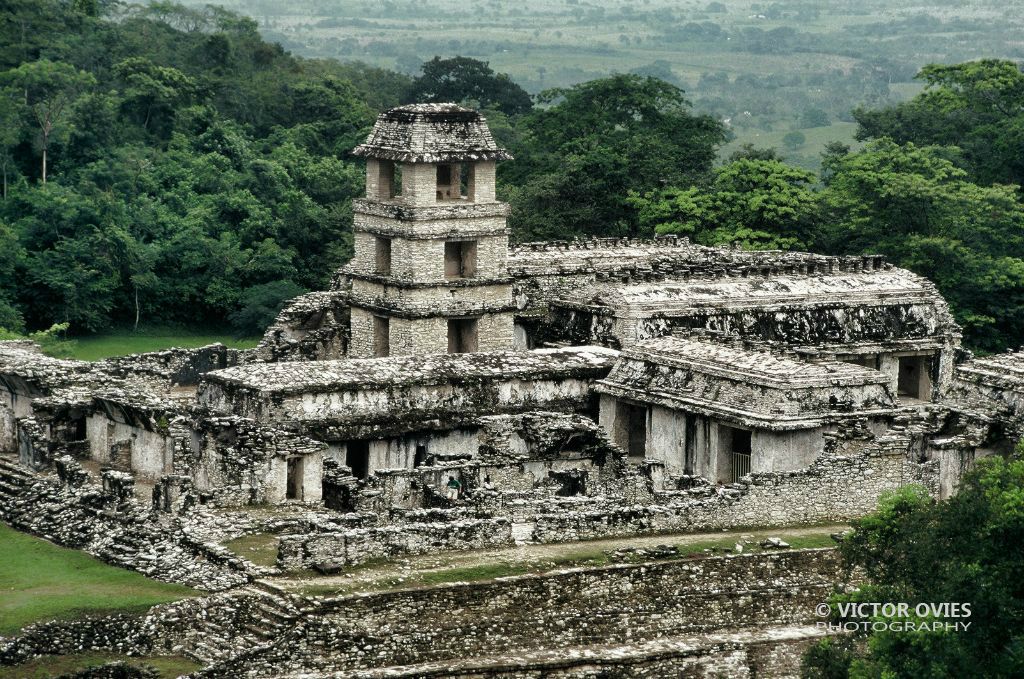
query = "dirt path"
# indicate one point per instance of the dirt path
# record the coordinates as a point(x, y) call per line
point(537, 558)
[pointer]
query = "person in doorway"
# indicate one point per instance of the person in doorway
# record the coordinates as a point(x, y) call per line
point(453, 487)
point(487, 483)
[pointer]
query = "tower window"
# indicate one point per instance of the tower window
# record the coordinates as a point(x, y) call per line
point(383, 256)
point(389, 180)
point(381, 336)
point(447, 175)
point(460, 259)
point(462, 335)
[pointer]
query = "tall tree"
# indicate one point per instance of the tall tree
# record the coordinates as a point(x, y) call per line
point(49, 87)
point(977, 106)
point(462, 79)
point(593, 144)
point(751, 201)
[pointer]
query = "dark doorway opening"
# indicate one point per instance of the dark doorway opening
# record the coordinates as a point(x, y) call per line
point(631, 429)
point(294, 487)
point(736, 446)
point(357, 456)
point(420, 459)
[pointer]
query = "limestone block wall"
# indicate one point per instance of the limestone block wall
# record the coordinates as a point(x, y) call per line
point(571, 609)
point(844, 483)
point(675, 437)
point(444, 221)
point(71, 512)
point(462, 297)
point(332, 551)
point(406, 336)
point(149, 454)
point(311, 327)
point(238, 461)
point(421, 260)
point(419, 183)
point(8, 432)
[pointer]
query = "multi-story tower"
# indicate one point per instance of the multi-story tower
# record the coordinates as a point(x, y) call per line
point(429, 273)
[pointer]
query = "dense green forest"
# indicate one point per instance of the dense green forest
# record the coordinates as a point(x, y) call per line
point(167, 164)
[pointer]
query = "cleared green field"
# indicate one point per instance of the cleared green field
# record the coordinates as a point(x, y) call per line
point(41, 581)
point(49, 666)
point(105, 346)
point(807, 155)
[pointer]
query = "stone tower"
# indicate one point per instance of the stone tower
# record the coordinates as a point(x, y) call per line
point(429, 273)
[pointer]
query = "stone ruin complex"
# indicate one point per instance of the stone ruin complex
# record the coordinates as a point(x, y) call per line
point(576, 390)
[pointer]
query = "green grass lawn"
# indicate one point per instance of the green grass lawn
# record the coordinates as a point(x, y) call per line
point(259, 548)
point(49, 666)
point(105, 346)
point(41, 581)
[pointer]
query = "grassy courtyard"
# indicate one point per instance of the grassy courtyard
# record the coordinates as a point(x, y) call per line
point(49, 666)
point(41, 581)
point(105, 346)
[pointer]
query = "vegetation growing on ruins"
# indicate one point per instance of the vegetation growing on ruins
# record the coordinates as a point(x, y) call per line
point(196, 174)
point(47, 666)
point(969, 548)
point(41, 581)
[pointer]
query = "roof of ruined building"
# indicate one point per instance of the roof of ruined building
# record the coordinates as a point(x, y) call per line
point(755, 388)
point(431, 133)
point(26, 361)
point(874, 287)
point(400, 371)
point(1002, 370)
point(664, 255)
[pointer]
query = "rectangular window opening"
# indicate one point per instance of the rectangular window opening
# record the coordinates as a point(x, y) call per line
point(420, 459)
point(462, 335)
point(914, 380)
point(389, 180)
point(631, 429)
point(460, 259)
point(447, 182)
point(383, 256)
point(381, 336)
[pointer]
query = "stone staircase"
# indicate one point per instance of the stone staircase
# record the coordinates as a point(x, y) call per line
point(225, 625)
point(13, 477)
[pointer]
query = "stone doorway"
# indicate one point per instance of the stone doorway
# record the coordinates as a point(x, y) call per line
point(357, 457)
point(293, 491)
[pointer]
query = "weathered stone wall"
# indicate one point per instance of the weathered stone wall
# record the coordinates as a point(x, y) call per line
point(546, 271)
point(118, 633)
point(846, 482)
point(178, 366)
point(767, 652)
point(112, 526)
point(329, 552)
point(578, 608)
point(376, 399)
point(421, 259)
point(239, 461)
point(311, 327)
point(454, 298)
